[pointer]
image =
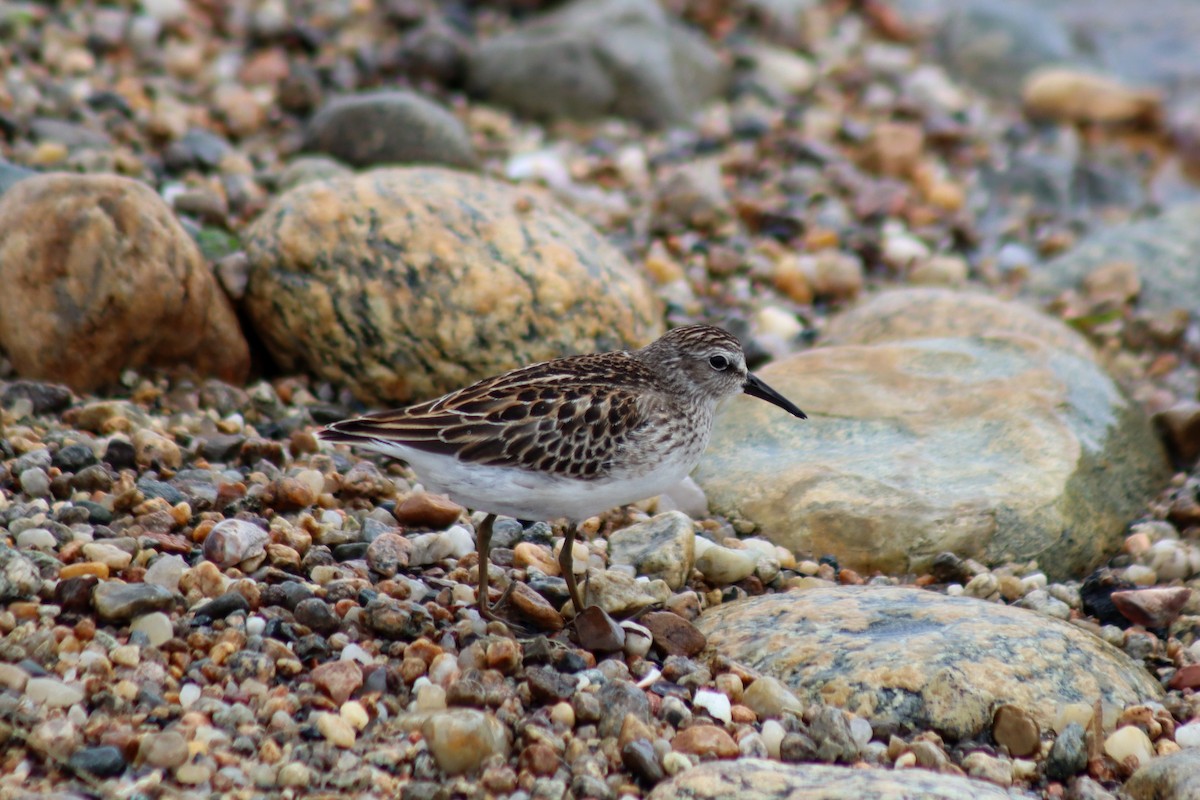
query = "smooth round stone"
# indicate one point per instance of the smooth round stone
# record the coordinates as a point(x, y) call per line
point(908, 659)
point(35, 482)
point(156, 626)
point(104, 761)
point(96, 268)
point(407, 283)
point(460, 739)
point(759, 779)
point(1003, 436)
point(661, 547)
point(723, 565)
point(36, 539)
point(600, 58)
point(389, 127)
point(164, 750)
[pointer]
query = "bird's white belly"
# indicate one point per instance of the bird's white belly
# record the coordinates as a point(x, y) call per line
point(536, 496)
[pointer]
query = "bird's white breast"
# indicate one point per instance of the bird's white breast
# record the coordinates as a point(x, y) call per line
point(536, 496)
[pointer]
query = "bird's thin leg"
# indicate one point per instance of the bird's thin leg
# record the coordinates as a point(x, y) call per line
point(566, 560)
point(483, 541)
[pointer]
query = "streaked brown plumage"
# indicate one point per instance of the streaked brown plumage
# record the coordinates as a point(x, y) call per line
point(570, 437)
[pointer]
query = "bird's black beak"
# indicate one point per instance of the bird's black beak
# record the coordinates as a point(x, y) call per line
point(756, 388)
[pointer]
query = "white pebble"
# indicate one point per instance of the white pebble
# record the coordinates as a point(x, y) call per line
point(36, 539)
point(715, 703)
point(189, 693)
point(156, 626)
point(637, 639)
point(1188, 735)
point(255, 625)
point(166, 572)
point(1129, 741)
point(772, 734)
point(354, 652)
point(35, 482)
point(860, 730)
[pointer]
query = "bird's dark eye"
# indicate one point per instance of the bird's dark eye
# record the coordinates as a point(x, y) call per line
point(718, 362)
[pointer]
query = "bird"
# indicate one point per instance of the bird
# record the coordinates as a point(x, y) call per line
point(570, 437)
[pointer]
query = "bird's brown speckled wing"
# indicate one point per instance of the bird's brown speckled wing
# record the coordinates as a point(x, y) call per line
point(567, 417)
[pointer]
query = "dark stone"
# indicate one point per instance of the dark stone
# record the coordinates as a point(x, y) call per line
point(1096, 594)
point(316, 614)
point(74, 595)
point(1068, 755)
point(220, 608)
point(288, 595)
point(350, 551)
point(152, 488)
point(399, 619)
point(73, 458)
point(312, 648)
point(47, 398)
point(640, 759)
point(548, 685)
point(97, 514)
point(94, 478)
point(949, 568)
point(119, 454)
point(106, 761)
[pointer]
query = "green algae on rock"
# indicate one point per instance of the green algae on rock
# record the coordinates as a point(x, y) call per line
point(909, 659)
point(406, 283)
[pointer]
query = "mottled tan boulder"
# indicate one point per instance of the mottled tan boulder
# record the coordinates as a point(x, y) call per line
point(759, 779)
point(99, 277)
point(909, 659)
point(939, 421)
point(406, 283)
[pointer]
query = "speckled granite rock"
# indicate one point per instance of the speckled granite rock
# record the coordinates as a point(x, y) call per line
point(1164, 249)
point(908, 659)
point(397, 127)
point(406, 283)
point(759, 779)
point(1171, 777)
point(595, 58)
point(940, 421)
point(95, 269)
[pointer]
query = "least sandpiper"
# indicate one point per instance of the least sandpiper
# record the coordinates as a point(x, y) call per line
point(570, 437)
